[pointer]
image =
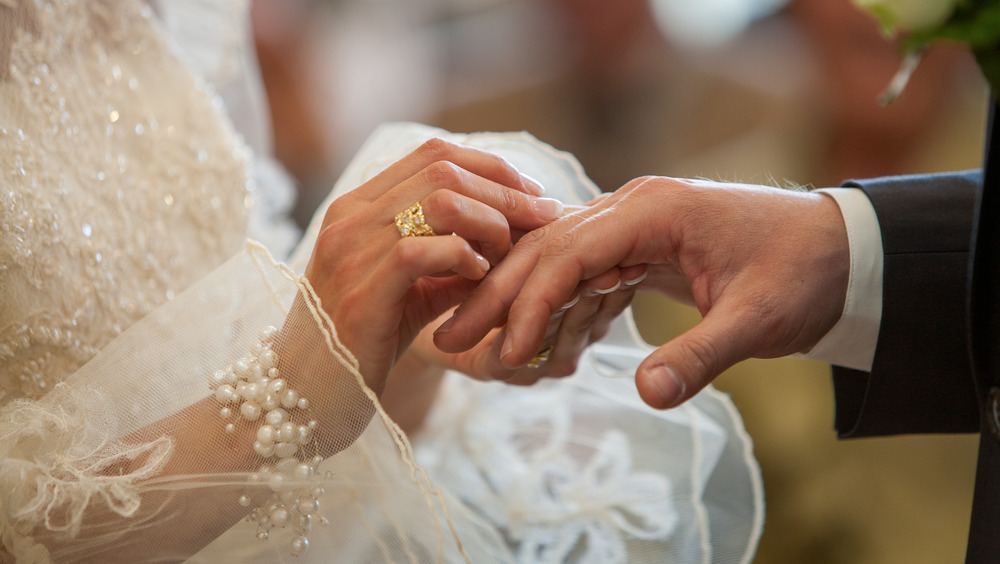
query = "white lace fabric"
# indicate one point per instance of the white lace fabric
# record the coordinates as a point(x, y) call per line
point(137, 373)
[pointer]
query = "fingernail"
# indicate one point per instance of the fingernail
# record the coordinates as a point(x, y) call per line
point(635, 281)
point(446, 326)
point(483, 263)
point(508, 345)
point(617, 285)
point(547, 208)
point(532, 186)
point(572, 302)
point(668, 385)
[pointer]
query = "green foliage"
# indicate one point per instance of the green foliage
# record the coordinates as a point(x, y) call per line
point(975, 23)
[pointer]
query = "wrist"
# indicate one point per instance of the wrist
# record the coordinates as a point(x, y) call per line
point(411, 390)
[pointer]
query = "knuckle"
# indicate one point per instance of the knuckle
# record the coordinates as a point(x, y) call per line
point(702, 352)
point(644, 186)
point(502, 168)
point(331, 214)
point(510, 200)
point(534, 239)
point(339, 209)
point(443, 173)
point(331, 240)
point(435, 149)
point(443, 204)
point(568, 243)
point(406, 253)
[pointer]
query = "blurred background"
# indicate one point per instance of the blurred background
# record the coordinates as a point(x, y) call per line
point(763, 91)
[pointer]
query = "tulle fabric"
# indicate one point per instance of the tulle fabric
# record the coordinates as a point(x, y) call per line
point(83, 468)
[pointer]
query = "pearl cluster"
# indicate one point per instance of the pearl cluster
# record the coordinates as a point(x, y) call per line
point(252, 389)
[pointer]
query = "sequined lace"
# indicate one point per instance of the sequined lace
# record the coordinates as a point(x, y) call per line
point(122, 183)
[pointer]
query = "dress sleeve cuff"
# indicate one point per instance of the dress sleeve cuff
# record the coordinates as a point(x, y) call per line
point(852, 340)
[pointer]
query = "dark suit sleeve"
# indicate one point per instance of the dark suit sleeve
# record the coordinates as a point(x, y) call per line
point(921, 379)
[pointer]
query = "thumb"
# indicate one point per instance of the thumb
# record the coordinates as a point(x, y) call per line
point(680, 368)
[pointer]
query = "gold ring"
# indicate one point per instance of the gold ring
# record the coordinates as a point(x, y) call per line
point(411, 222)
point(540, 358)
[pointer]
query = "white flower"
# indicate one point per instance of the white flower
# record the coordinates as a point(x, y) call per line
point(909, 15)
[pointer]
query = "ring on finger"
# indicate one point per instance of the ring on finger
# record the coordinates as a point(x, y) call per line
point(540, 358)
point(411, 222)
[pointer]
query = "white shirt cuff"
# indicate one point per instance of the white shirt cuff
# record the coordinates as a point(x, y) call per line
point(852, 340)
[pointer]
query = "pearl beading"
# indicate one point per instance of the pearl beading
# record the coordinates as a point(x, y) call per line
point(252, 389)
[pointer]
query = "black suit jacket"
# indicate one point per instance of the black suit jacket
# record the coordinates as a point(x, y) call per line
point(937, 363)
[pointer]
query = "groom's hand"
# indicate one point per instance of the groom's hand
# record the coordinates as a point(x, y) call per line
point(767, 268)
point(579, 323)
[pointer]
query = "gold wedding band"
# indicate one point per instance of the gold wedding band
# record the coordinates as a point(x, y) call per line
point(540, 358)
point(411, 222)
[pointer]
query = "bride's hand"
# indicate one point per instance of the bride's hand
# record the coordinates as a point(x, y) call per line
point(379, 288)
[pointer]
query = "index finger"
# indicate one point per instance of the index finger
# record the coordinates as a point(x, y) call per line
point(493, 298)
point(537, 278)
point(481, 163)
point(522, 211)
point(488, 304)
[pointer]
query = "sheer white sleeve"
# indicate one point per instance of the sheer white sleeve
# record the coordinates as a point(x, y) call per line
point(200, 418)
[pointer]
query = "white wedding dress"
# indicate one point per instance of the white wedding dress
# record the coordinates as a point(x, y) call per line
point(138, 371)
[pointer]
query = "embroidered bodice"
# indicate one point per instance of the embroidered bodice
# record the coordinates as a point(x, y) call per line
point(122, 183)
